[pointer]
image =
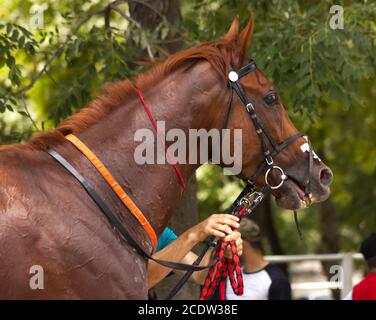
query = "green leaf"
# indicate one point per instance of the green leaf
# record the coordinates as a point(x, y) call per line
point(23, 113)
point(15, 35)
point(9, 28)
point(21, 41)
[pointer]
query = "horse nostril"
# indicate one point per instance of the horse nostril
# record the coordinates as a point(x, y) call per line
point(326, 177)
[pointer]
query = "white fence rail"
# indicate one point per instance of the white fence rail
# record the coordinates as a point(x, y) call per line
point(346, 261)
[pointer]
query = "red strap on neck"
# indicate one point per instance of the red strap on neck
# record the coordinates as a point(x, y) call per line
point(170, 158)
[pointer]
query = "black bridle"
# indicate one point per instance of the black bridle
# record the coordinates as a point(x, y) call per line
point(267, 164)
point(263, 134)
point(250, 196)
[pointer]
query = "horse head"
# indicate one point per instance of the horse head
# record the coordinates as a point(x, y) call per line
point(297, 176)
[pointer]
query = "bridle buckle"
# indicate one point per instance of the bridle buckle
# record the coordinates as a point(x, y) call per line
point(269, 161)
point(249, 107)
point(258, 197)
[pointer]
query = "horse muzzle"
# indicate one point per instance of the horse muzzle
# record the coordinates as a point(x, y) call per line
point(293, 193)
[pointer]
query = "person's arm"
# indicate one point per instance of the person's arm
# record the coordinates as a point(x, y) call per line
point(218, 225)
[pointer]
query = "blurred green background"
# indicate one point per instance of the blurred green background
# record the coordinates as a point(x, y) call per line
point(326, 78)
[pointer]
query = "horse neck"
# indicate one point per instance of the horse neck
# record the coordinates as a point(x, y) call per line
point(184, 100)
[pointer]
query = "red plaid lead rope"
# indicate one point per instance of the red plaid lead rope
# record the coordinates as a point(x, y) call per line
point(222, 268)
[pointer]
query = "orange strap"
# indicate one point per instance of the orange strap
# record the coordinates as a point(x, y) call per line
point(114, 186)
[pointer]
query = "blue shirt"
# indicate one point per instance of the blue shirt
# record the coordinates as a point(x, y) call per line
point(165, 239)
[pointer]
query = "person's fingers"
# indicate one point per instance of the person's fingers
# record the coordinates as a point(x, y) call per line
point(222, 227)
point(216, 233)
point(223, 224)
point(228, 217)
point(239, 246)
point(230, 237)
point(239, 251)
point(225, 215)
point(231, 223)
point(225, 221)
point(235, 235)
point(238, 237)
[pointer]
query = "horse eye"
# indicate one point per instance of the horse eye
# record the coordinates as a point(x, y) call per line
point(271, 99)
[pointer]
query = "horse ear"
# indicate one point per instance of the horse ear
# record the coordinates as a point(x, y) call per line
point(246, 35)
point(234, 29)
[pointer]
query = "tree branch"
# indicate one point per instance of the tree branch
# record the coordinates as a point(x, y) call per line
point(107, 12)
point(29, 115)
point(138, 26)
point(111, 6)
point(57, 53)
point(149, 6)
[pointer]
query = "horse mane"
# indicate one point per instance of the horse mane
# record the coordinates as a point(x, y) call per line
point(219, 53)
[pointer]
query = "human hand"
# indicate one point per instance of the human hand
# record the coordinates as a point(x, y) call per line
point(218, 225)
point(238, 241)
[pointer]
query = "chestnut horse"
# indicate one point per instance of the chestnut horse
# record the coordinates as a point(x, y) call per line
point(48, 220)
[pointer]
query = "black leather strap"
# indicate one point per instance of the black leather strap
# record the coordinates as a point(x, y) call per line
point(240, 92)
point(297, 224)
point(188, 274)
point(228, 111)
point(274, 153)
point(310, 169)
point(250, 67)
point(259, 127)
point(114, 220)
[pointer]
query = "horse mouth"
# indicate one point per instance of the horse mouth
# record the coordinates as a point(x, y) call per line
point(292, 195)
